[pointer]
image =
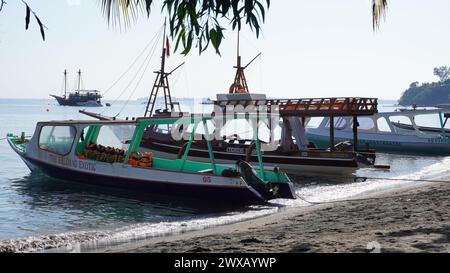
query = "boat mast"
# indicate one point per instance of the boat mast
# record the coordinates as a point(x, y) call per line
point(161, 81)
point(240, 82)
point(79, 80)
point(65, 83)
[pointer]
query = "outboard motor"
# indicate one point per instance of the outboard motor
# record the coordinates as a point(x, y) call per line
point(345, 146)
point(364, 160)
point(266, 189)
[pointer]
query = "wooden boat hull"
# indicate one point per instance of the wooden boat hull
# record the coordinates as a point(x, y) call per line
point(290, 164)
point(85, 103)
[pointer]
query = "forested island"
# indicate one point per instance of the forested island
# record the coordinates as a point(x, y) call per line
point(429, 94)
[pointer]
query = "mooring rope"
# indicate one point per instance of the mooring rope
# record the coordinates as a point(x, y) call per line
point(351, 199)
point(364, 179)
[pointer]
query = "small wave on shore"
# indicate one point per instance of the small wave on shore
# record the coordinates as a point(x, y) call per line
point(91, 241)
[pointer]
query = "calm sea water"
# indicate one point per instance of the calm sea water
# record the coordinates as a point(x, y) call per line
point(33, 205)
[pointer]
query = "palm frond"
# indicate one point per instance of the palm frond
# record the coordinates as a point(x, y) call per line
point(379, 8)
point(122, 12)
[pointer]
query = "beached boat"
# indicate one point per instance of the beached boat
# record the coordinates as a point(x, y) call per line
point(293, 153)
point(79, 97)
point(396, 132)
point(76, 150)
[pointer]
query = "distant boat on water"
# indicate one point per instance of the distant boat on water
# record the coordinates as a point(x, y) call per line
point(86, 98)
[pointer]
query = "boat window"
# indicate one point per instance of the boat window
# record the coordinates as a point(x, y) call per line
point(57, 139)
point(430, 120)
point(365, 123)
point(383, 125)
point(400, 120)
point(264, 132)
point(163, 128)
point(237, 127)
point(314, 122)
point(339, 123)
point(105, 143)
point(115, 136)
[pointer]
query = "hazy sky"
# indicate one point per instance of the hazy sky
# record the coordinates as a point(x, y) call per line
point(311, 48)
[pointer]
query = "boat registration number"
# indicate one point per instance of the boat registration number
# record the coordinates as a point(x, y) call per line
point(235, 150)
point(438, 140)
point(206, 179)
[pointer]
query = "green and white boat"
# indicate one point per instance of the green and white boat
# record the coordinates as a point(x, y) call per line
point(73, 150)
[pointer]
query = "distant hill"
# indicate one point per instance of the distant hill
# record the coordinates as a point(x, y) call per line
point(427, 94)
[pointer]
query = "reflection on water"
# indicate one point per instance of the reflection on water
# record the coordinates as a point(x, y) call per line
point(48, 205)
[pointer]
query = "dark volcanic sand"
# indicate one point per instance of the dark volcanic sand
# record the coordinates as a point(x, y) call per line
point(416, 220)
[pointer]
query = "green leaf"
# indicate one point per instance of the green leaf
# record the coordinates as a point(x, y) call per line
point(41, 26)
point(27, 17)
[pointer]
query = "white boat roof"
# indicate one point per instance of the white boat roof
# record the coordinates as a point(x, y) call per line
point(168, 120)
point(87, 122)
point(412, 113)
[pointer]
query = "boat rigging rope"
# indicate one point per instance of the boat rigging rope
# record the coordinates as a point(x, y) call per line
point(135, 61)
point(178, 76)
point(138, 82)
point(144, 63)
point(151, 42)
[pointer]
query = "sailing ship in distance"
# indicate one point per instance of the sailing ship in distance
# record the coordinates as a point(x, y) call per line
point(79, 97)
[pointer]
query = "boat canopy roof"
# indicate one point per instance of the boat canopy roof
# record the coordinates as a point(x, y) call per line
point(313, 107)
point(413, 113)
point(88, 122)
point(147, 121)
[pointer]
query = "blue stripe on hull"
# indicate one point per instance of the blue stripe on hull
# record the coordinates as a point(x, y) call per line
point(387, 146)
point(236, 195)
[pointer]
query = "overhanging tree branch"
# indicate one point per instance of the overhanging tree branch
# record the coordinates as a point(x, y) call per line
point(30, 11)
point(2, 3)
point(197, 23)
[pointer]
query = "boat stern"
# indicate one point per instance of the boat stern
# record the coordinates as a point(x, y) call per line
point(269, 184)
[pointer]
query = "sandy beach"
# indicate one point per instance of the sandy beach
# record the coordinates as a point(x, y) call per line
point(410, 220)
